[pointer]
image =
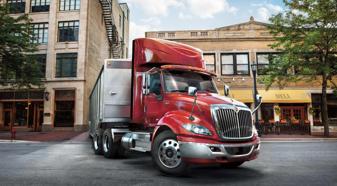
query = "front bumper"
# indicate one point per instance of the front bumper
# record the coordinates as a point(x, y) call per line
point(215, 152)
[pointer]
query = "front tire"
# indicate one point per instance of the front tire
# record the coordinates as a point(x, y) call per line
point(166, 154)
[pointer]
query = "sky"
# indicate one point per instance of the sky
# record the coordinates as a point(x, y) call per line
point(167, 15)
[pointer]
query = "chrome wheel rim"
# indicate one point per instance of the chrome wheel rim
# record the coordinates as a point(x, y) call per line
point(169, 153)
point(106, 143)
point(95, 142)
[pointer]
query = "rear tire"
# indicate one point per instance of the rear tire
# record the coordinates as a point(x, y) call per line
point(97, 144)
point(111, 148)
point(232, 165)
point(166, 154)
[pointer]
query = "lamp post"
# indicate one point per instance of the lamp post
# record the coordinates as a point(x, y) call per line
point(254, 70)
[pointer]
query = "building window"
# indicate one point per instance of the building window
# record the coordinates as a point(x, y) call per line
point(263, 60)
point(161, 35)
point(68, 31)
point(41, 60)
point(210, 62)
point(293, 112)
point(171, 34)
point(66, 65)
point(66, 5)
point(204, 33)
point(16, 6)
point(40, 33)
point(40, 5)
point(332, 109)
point(235, 64)
point(194, 34)
point(64, 108)
point(267, 112)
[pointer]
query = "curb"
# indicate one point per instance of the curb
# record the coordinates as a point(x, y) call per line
point(297, 139)
point(18, 141)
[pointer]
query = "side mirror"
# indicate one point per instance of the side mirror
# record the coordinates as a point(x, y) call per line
point(258, 98)
point(145, 83)
point(259, 102)
point(226, 90)
point(192, 91)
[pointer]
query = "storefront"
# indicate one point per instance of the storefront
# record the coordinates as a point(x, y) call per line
point(286, 109)
point(315, 111)
point(21, 110)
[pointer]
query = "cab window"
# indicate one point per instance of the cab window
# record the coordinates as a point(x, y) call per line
point(155, 83)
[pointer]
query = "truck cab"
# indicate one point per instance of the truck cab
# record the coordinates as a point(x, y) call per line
point(167, 104)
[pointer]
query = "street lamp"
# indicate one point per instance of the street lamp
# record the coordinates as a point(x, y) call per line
point(254, 70)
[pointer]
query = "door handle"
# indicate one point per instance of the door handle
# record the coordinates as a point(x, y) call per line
point(113, 93)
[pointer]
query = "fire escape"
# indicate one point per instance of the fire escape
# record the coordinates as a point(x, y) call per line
point(112, 33)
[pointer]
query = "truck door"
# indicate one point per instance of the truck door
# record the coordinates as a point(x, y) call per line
point(153, 100)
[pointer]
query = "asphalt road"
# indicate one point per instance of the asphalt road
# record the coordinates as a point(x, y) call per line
point(280, 163)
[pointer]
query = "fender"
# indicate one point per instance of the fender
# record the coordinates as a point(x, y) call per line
point(174, 120)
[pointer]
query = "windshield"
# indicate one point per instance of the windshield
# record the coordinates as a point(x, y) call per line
point(179, 81)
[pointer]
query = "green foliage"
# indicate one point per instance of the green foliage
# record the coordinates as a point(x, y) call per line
point(18, 68)
point(306, 36)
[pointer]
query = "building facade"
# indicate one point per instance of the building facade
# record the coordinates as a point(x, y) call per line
point(74, 37)
point(229, 52)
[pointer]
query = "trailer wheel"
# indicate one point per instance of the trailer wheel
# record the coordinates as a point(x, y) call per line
point(232, 165)
point(166, 154)
point(97, 144)
point(110, 148)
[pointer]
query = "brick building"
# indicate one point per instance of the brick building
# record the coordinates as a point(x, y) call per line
point(73, 37)
point(229, 52)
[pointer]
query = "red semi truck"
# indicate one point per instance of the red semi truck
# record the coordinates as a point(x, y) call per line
point(164, 101)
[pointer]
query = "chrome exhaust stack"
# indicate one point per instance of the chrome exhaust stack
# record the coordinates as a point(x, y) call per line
point(137, 141)
point(127, 141)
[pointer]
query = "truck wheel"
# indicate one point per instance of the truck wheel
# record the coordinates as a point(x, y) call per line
point(110, 148)
point(232, 164)
point(97, 144)
point(166, 154)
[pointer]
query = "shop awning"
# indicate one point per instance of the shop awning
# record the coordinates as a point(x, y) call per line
point(272, 96)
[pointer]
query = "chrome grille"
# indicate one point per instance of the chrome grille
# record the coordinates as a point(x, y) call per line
point(232, 124)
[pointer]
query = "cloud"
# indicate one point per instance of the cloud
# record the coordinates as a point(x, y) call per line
point(263, 14)
point(184, 16)
point(265, 11)
point(151, 21)
point(155, 7)
point(138, 31)
point(200, 8)
point(205, 9)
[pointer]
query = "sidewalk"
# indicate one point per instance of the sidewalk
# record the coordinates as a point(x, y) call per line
point(55, 136)
point(296, 137)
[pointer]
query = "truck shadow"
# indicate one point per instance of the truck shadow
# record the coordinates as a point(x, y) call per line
point(198, 174)
point(216, 174)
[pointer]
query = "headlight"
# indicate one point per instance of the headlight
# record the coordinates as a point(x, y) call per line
point(197, 129)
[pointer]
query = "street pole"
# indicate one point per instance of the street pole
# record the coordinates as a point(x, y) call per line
point(254, 70)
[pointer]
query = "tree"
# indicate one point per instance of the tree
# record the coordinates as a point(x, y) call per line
point(306, 37)
point(18, 67)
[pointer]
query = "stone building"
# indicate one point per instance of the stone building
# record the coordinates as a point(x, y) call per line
point(229, 52)
point(74, 37)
